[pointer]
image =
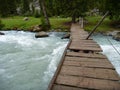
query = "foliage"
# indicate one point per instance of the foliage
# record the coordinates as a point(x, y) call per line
point(25, 6)
point(7, 7)
point(114, 7)
point(1, 24)
point(61, 8)
point(67, 8)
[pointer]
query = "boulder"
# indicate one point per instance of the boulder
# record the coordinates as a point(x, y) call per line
point(66, 36)
point(41, 34)
point(2, 33)
point(37, 28)
point(25, 18)
point(117, 36)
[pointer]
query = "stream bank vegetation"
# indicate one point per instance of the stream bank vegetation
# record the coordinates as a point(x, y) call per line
point(17, 23)
point(57, 23)
point(57, 14)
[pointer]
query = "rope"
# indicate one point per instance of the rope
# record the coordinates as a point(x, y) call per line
point(113, 46)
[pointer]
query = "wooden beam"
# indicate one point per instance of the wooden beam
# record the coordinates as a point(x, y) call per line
point(97, 25)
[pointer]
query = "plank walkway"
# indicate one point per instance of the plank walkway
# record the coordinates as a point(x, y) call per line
point(83, 67)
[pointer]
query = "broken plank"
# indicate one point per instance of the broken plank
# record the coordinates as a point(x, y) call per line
point(89, 55)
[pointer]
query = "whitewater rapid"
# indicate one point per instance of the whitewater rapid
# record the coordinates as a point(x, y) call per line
point(27, 63)
point(111, 48)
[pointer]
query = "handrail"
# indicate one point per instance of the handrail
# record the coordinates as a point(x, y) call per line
point(98, 24)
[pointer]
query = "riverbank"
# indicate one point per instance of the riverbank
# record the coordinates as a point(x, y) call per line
point(106, 26)
point(57, 24)
point(19, 23)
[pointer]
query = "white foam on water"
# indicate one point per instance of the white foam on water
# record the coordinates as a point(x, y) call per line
point(27, 63)
point(54, 62)
point(110, 50)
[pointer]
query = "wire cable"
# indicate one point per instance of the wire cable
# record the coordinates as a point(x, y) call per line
point(113, 45)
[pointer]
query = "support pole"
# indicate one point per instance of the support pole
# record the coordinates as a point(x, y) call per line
point(82, 23)
point(97, 25)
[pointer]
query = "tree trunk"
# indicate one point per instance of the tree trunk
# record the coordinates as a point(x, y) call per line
point(73, 19)
point(43, 9)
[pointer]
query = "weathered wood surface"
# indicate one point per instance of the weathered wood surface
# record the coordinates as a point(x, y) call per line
point(81, 70)
point(88, 83)
point(62, 87)
point(85, 48)
point(97, 73)
point(89, 64)
point(87, 55)
point(86, 59)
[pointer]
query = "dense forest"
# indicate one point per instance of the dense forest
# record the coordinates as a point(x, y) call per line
point(64, 8)
point(59, 8)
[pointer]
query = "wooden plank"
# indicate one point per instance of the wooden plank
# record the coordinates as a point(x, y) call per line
point(89, 64)
point(89, 55)
point(88, 83)
point(77, 38)
point(79, 42)
point(84, 45)
point(85, 59)
point(85, 48)
point(97, 73)
point(62, 87)
point(85, 41)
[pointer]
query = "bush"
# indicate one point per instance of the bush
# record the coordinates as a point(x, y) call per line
point(1, 25)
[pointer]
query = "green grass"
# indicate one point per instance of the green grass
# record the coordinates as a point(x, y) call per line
point(56, 23)
point(59, 23)
point(93, 20)
point(18, 22)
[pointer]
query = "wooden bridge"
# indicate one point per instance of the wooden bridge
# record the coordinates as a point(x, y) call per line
point(83, 67)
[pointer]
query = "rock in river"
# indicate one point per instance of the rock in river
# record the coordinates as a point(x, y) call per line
point(117, 36)
point(2, 33)
point(66, 36)
point(41, 34)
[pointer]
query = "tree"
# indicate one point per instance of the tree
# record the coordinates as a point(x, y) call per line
point(7, 7)
point(76, 8)
point(44, 12)
point(113, 6)
point(11, 4)
point(3, 8)
point(25, 6)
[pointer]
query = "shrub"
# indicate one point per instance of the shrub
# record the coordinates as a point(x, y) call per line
point(1, 25)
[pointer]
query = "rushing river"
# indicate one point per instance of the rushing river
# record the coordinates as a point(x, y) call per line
point(111, 48)
point(27, 63)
